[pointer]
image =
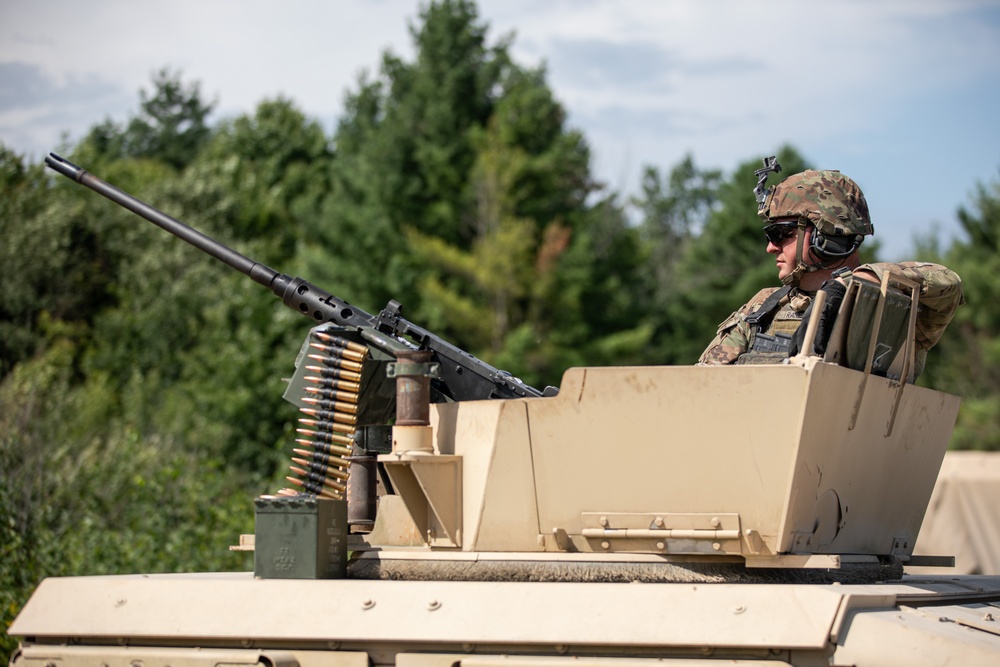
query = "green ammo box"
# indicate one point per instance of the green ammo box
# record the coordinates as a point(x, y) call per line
point(300, 537)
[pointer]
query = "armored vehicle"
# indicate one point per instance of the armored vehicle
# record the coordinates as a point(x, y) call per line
point(447, 515)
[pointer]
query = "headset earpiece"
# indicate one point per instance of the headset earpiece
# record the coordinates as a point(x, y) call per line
point(829, 247)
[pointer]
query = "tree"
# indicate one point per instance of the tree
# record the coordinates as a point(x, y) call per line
point(171, 125)
point(674, 212)
point(528, 193)
point(967, 359)
point(404, 152)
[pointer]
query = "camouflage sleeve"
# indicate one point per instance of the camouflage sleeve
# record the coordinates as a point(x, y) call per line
point(733, 336)
point(940, 296)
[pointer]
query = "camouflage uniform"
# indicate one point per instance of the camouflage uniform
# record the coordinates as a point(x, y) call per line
point(836, 208)
point(940, 296)
point(735, 336)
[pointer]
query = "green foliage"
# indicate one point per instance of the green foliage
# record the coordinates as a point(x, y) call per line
point(674, 211)
point(967, 360)
point(171, 126)
point(82, 492)
point(404, 151)
point(27, 257)
point(527, 193)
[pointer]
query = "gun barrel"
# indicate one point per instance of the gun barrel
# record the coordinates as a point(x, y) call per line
point(255, 270)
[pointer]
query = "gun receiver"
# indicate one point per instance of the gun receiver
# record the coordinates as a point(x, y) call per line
point(461, 375)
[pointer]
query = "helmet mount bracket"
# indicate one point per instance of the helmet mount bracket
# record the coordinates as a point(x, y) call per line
point(760, 192)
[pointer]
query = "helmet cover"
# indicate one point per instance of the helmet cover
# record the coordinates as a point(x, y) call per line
point(832, 202)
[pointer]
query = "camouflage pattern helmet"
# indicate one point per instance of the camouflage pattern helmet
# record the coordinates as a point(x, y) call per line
point(832, 202)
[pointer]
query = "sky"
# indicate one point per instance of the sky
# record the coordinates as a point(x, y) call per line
point(903, 96)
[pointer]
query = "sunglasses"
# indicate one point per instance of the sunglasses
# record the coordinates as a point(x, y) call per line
point(778, 232)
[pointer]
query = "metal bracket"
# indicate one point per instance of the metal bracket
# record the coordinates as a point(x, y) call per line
point(901, 546)
point(663, 532)
point(395, 369)
point(759, 192)
point(431, 488)
point(809, 561)
point(929, 561)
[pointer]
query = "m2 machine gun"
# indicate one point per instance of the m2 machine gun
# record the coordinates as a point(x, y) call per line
point(459, 375)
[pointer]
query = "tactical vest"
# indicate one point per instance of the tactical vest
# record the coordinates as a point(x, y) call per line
point(771, 329)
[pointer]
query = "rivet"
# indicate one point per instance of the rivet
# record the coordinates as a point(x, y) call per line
point(715, 522)
point(605, 545)
point(433, 605)
point(603, 521)
point(716, 546)
point(368, 604)
point(661, 546)
point(658, 522)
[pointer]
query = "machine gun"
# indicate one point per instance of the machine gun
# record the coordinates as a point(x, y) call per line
point(459, 376)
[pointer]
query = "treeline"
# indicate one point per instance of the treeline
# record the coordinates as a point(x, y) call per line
point(140, 380)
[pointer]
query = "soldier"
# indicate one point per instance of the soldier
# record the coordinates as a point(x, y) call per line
point(816, 222)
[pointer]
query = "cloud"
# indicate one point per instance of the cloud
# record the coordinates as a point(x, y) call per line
point(36, 109)
point(591, 62)
point(26, 86)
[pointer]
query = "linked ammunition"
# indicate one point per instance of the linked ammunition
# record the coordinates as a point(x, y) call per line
point(330, 415)
point(325, 436)
point(315, 489)
point(316, 478)
point(336, 362)
point(321, 468)
point(323, 457)
point(339, 406)
point(328, 372)
point(323, 425)
point(339, 352)
point(324, 394)
point(325, 447)
point(342, 342)
point(325, 384)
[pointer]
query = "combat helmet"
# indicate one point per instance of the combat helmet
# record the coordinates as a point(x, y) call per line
point(832, 203)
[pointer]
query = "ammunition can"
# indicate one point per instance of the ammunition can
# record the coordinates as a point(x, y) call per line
point(300, 537)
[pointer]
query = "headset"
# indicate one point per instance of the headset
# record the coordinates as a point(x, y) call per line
point(832, 247)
